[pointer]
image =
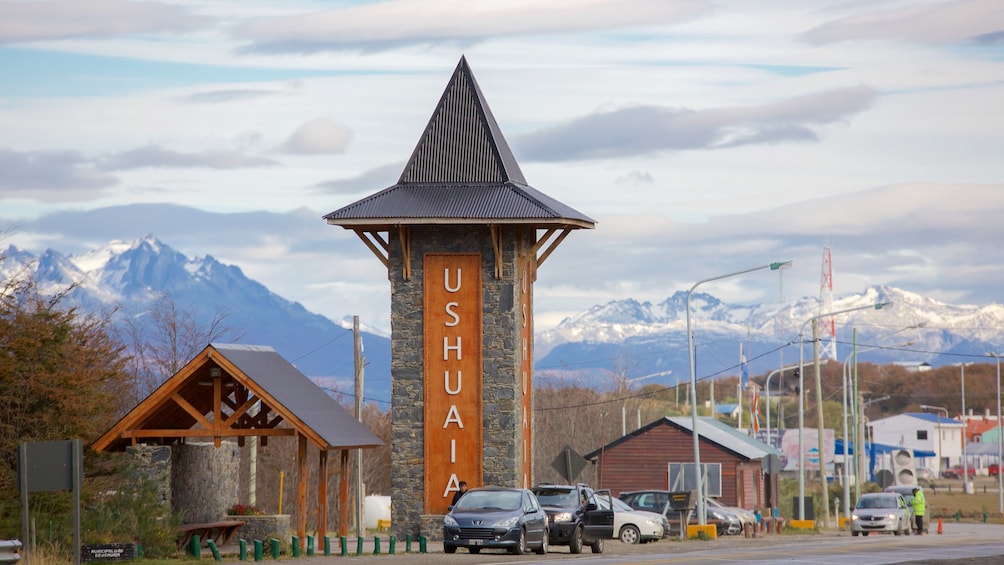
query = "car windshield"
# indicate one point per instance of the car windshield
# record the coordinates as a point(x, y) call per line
point(557, 497)
point(603, 503)
point(489, 500)
point(877, 502)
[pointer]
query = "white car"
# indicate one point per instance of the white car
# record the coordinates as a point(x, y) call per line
point(880, 512)
point(634, 526)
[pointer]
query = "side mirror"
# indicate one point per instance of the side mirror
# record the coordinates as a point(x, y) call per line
point(591, 507)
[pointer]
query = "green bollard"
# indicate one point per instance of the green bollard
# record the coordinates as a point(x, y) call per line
point(958, 515)
point(310, 546)
point(214, 549)
point(422, 540)
point(258, 550)
point(139, 551)
point(359, 545)
point(243, 555)
point(195, 548)
point(392, 543)
point(275, 548)
point(296, 546)
point(345, 545)
point(407, 543)
point(327, 546)
point(376, 544)
point(984, 517)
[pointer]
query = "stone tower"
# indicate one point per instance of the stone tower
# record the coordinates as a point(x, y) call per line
point(462, 235)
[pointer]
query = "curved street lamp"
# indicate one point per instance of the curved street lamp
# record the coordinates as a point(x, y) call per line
point(819, 410)
point(701, 516)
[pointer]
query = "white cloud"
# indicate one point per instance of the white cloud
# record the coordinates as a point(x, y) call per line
point(73, 19)
point(318, 136)
point(945, 22)
point(397, 23)
point(50, 175)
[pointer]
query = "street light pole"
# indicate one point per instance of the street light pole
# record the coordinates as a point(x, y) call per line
point(801, 411)
point(965, 426)
point(767, 386)
point(701, 515)
point(1000, 438)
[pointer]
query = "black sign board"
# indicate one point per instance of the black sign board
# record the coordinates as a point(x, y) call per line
point(568, 463)
point(108, 552)
point(682, 500)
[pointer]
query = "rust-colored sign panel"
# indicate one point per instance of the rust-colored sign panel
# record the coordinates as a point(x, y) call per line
point(526, 371)
point(453, 376)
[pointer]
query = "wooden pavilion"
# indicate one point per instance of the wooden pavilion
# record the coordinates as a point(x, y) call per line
point(212, 397)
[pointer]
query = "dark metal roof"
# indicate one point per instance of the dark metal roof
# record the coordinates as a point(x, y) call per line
point(299, 395)
point(461, 171)
point(708, 428)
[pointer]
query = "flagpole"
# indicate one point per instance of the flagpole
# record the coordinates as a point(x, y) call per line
point(742, 385)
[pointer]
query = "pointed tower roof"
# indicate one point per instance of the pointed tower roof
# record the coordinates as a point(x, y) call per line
point(461, 172)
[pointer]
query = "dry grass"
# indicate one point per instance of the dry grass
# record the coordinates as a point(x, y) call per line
point(945, 498)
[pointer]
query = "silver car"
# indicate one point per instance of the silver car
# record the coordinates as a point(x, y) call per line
point(880, 512)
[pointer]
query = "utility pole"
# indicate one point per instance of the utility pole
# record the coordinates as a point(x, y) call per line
point(358, 362)
point(821, 445)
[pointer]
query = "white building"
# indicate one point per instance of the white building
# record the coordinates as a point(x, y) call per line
point(923, 431)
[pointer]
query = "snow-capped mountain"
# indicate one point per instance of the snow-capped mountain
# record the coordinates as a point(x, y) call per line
point(638, 341)
point(129, 277)
point(641, 340)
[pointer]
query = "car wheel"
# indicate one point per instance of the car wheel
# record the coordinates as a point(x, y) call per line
point(449, 549)
point(864, 534)
point(597, 546)
point(855, 534)
point(630, 534)
point(474, 550)
point(520, 548)
point(542, 550)
point(575, 544)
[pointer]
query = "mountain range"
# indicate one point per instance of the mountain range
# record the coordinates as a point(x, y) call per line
point(621, 342)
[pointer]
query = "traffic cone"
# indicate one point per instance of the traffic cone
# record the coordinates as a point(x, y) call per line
point(941, 529)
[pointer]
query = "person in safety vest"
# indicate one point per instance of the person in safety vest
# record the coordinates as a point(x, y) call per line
point(919, 509)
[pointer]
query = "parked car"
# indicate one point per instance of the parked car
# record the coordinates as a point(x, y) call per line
point(746, 517)
point(923, 474)
point(956, 472)
point(496, 517)
point(725, 522)
point(574, 517)
point(634, 526)
point(994, 469)
point(880, 512)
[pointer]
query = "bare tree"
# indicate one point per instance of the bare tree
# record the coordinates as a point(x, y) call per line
point(162, 339)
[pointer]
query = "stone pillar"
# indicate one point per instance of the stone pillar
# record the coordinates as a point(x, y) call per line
point(153, 463)
point(504, 440)
point(205, 480)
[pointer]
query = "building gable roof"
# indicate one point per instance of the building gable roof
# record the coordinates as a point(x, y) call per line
point(212, 397)
point(709, 429)
point(462, 171)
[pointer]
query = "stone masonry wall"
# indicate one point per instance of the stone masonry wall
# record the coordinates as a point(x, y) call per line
point(502, 447)
point(153, 462)
point(205, 480)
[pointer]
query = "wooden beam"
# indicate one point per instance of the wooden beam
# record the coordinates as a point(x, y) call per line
point(322, 494)
point(404, 234)
point(371, 239)
point(496, 230)
point(199, 416)
point(343, 495)
point(217, 410)
point(194, 432)
point(301, 488)
point(550, 248)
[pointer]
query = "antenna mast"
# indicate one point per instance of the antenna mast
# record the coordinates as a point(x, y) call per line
point(827, 328)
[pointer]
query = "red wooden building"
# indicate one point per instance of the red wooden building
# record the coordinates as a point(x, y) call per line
point(641, 460)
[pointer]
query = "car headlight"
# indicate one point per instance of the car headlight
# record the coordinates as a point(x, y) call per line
point(892, 516)
point(654, 523)
point(563, 517)
point(507, 523)
point(450, 521)
point(854, 515)
point(718, 515)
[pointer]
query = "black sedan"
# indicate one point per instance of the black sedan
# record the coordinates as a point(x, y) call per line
point(496, 517)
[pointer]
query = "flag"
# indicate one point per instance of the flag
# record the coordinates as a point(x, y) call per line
point(755, 412)
point(745, 372)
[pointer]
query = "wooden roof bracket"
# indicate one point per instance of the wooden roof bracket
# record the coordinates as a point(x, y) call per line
point(404, 234)
point(496, 230)
point(377, 244)
point(537, 245)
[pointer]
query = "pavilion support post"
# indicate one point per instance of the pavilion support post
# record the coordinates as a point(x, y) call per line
point(322, 494)
point(343, 495)
point(301, 487)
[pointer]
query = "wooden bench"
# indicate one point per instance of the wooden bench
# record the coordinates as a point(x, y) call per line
point(219, 532)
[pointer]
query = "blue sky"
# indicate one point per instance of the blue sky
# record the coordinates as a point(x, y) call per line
point(704, 136)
